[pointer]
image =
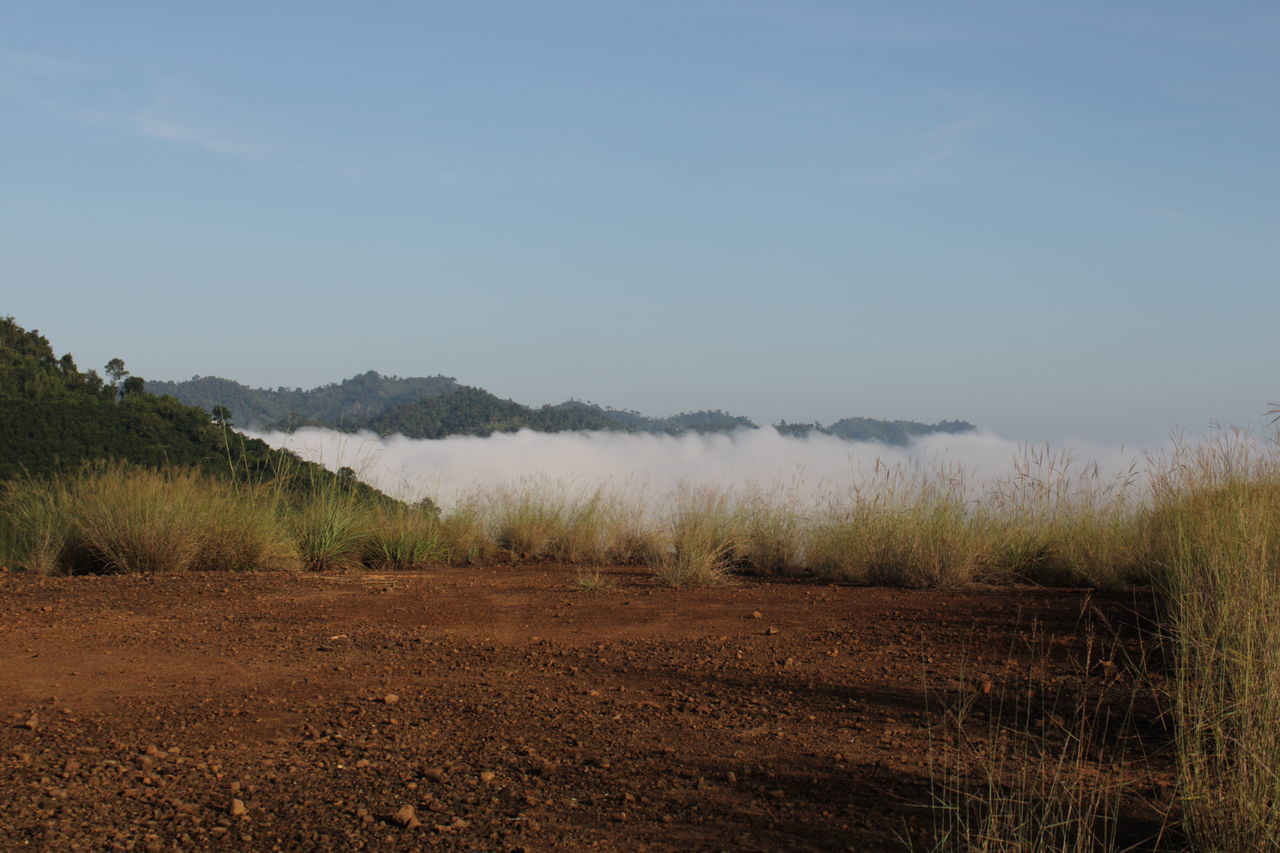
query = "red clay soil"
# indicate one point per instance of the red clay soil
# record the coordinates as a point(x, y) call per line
point(512, 710)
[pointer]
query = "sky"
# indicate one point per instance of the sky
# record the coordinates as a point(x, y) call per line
point(1055, 220)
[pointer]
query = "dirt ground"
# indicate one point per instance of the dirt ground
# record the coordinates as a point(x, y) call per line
point(513, 710)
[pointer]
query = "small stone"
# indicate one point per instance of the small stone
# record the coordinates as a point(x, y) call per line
point(407, 817)
point(32, 722)
point(731, 777)
point(488, 776)
point(238, 807)
point(756, 614)
point(771, 630)
point(391, 699)
point(434, 774)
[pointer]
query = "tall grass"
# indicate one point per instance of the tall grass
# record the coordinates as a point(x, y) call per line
point(704, 530)
point(904, 528)
point(404, 536)
point(1213, 539)
point(1040, 775)
point(116, 518)
point(1059, 521)
point(34, 525)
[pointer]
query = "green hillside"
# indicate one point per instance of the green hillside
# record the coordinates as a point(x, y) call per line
point(53, 418)
point(632, 421)
point(341, 405)
point(473, 411)
point(898, 433)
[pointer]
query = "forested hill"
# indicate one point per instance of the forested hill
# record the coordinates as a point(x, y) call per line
point(869, 429)
point(473, 411)
point(631, 421)
point(54, 417)
point(437, 406)
point(340, 405)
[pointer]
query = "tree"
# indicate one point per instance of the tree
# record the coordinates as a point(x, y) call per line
point(221, 415)
point(133, 386)
point(115, 369)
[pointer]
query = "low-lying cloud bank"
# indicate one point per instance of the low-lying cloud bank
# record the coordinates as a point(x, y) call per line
point(803, 469)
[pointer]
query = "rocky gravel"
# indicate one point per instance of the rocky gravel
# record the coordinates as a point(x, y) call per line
point(504, 708)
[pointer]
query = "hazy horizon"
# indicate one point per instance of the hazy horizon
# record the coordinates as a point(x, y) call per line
point(802, 471)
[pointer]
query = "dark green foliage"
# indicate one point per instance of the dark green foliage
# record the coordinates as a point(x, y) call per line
point(800, 430)
point(342, 405)
point(632, 421)
point(705, 421)
point(869, 429)
point(54, 419)
point(473, 411)
point(30, 371)
point(893, 432)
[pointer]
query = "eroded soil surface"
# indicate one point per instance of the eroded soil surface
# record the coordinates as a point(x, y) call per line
point(511, 709)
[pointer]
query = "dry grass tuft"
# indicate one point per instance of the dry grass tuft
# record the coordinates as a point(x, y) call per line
point(1213, 539)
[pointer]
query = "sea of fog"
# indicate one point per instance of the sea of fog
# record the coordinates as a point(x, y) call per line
point(802, 469)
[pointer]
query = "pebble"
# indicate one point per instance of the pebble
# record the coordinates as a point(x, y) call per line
point(391, 698)
point(407, 817)
point(237, 807)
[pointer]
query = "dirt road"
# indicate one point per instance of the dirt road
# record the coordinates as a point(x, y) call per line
point(507, 708)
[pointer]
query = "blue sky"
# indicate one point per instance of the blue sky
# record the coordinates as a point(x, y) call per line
point(1058, 220)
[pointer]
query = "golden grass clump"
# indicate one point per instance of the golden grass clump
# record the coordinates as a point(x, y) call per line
point(903, 529)
point(35, 525)
point(704, 533)
point(111, 517)
point(1058, 522)
point(771, 536)
point(404, 536)
point(1213, 540)
point(465, 533)
point(329, 529)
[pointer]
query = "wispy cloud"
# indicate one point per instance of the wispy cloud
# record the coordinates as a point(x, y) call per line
point(75, 93)
point(168, 110)
point(149, 124)
point(934, 147)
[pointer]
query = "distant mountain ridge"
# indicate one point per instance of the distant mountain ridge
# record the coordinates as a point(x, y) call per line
point(438, 406)
point(354, 400)
point(870, 429)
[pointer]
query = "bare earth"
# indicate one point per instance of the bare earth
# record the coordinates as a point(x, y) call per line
point(509, 708)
